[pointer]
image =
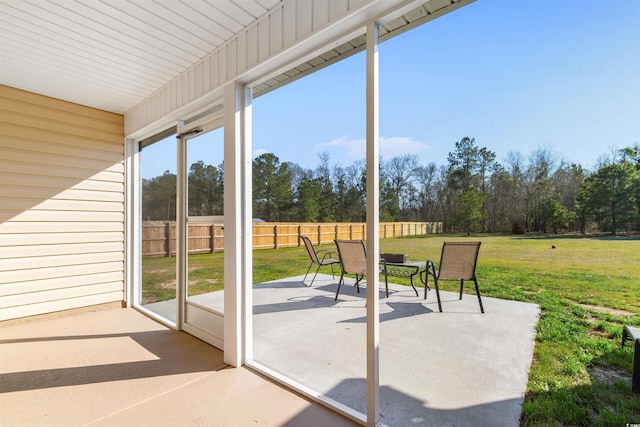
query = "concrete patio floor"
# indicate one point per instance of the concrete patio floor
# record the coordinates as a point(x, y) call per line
point(456, 368)
point(118, 367)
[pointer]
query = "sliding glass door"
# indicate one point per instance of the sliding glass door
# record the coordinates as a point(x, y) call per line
point(181, 281)
point(204, 246)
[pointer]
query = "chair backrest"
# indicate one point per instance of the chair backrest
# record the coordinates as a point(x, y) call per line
point(310, 249)
point(458, 260)
point(353, 257)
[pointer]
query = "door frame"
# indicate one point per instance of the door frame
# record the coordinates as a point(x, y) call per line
point(208, 119)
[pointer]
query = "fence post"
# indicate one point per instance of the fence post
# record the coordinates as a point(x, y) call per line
point(299, 234)
point(213, 238)
point(275, 236)
point(319, 234)
point(167, 239)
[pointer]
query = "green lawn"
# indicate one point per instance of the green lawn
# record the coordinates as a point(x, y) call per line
point(587, 288)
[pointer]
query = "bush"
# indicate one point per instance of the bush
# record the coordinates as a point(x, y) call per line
point(518, 228)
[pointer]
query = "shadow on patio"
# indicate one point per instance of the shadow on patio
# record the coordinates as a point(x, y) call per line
point(118, 367)
point(459, 367)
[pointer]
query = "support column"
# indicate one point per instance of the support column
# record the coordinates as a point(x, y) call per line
point(373, 227)
point(237, 222)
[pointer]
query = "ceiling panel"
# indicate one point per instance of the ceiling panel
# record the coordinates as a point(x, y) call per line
point(112, 54)
point(388, 29)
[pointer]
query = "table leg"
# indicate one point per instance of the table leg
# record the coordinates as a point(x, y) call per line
point(411, 280)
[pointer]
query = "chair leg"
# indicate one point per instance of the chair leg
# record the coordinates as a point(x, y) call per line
point(305, 275)
point(461, 283)
point(386, 284)
point(426, 285)
point(437, 294)
point(314, 276)
point(478, 293)
point(339, 284)
point(429, 270)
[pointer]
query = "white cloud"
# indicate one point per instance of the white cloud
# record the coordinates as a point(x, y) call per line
point(400, 145)
point(352, 149)
point(355, 149)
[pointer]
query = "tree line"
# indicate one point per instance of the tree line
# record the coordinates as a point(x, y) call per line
point(473, 192)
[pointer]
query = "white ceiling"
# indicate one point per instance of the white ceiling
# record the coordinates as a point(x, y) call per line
point(111, 54)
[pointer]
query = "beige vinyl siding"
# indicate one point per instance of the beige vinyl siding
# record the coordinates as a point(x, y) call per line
point(61, 205)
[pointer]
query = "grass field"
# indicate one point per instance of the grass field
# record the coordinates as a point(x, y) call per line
point(587, 288)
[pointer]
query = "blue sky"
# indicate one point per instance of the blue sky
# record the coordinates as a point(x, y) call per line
point(515, 75)
point(561, 75)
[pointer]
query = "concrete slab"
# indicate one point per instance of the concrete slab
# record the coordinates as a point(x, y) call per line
point(459, 367)
point(120, 368)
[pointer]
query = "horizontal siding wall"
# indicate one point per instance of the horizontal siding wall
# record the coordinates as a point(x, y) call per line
point(61, 205)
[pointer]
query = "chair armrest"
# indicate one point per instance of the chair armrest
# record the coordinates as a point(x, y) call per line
point(326, 253)
point(431, 268)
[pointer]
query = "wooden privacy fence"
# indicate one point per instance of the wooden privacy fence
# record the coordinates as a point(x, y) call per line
point(159, 237)
point(282, 234)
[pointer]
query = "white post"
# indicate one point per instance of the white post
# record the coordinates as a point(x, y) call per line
point(182, 246)
point(133, 228)
point(373, 227)
point(236, 218)
point(246, 333)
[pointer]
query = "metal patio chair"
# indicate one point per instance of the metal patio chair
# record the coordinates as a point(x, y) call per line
point(457, 261)
point(353, 260)
point(321, 258)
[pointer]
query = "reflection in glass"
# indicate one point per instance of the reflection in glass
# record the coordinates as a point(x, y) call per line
point(205, 233)
point(158, 200)
point(300, 332)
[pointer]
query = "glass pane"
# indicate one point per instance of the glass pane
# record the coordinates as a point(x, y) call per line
point(158, 172)
point(205, 283)
point(308, 180)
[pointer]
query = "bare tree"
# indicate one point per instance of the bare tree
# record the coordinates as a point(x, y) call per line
point(426, 177)
point(397, 176)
